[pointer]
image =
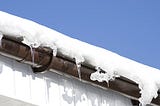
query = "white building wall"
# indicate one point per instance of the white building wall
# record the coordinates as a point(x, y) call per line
point(50, 89)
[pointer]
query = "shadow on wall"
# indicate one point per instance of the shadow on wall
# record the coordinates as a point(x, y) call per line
point(76, 93)
point(73, 92)
point(52, 89)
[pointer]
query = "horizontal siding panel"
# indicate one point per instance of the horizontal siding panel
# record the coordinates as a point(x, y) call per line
point(50, 89)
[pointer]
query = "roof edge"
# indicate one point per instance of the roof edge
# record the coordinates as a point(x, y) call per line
point(13, 48)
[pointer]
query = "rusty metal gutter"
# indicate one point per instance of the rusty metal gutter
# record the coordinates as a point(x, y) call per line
point(44, 60)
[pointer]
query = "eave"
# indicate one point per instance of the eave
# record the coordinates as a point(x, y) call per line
point(44, 60)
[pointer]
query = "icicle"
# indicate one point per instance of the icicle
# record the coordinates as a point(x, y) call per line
point(54, 48)
point(140, 104)
point(1, 36)
point(79, 69)
point(32, 54)
point(78, 63)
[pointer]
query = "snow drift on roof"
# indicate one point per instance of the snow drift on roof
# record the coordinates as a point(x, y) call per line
point(114, 65)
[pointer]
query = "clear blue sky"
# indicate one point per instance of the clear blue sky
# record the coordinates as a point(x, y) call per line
point(130, 28)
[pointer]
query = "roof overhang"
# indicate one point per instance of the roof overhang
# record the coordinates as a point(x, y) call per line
point(44, 60)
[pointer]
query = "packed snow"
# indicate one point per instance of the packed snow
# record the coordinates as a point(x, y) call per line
point(112, 64)
point(32, 53)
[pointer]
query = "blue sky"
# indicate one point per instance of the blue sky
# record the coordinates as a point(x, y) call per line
point(127, 27)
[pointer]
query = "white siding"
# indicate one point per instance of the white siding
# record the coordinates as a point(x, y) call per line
point(50, 89)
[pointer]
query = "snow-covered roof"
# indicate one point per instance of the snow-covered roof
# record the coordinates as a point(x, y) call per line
point(113, 65)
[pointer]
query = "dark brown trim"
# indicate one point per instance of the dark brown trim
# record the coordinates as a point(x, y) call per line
point(18, 51)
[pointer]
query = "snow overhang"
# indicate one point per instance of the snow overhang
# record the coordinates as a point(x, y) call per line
point(44, 61)
point(108, 65)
